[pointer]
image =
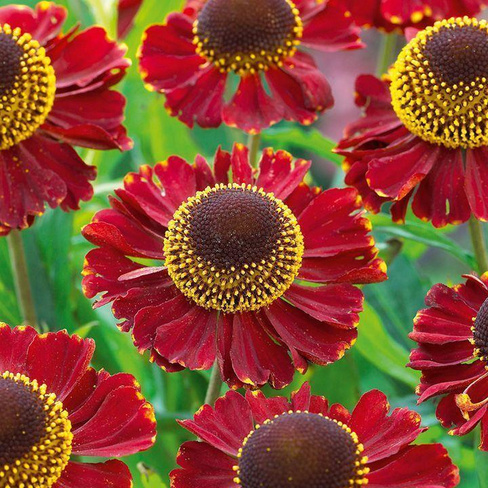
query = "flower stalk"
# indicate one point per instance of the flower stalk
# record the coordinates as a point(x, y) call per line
point(479, 244)
point(21, 278)
point(214, 385)
point(253, 144)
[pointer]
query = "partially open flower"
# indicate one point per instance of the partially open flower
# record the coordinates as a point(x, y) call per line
point(54, 93)
point(256, 441)
point(452, 334)
point(193, 57)
point(54, 406)
point(398, 15)
point(425, 132)
point(201, 265)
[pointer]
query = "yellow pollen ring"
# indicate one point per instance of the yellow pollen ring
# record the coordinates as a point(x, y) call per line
point(43, 465)
point(244, 63)
point(432, 106)
point(27, 99)
point(246, 287)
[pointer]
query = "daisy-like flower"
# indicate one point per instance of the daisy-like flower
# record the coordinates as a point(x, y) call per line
point(193, 57)
point(425, 132)
point(127, 10)
point(54, 93)
point(256, 441)
point(55, 406)
point(398, 15)
point(201, 265)
point(452, 335)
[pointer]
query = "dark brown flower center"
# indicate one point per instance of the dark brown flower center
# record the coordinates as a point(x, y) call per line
point(480, 332)
point(23, 420)
point(247, 35)
point(27, 86)
point(233, 248)
point(35, 434)
point(297, 450)
point(439, 84)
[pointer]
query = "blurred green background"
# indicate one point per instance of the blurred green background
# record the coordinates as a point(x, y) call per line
point(419, 256)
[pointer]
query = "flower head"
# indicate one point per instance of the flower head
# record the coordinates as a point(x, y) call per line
point(424, 136)
point(55, 406)
point(257, 441)
point(207, 266)
point(398, 15)
point(54, 93)
point(194, 55)
point(452, 353)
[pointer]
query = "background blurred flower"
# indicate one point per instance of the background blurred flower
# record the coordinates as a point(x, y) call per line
point(452, 334)
point(239, 262)
point(55, 406)
point(257, 441)
point(424, 135)
point(194, 56)
point(56, 93)
point(393, 15)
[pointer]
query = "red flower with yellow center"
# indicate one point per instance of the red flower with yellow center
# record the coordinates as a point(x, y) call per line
point(256, 441)
point(248, 269)
point(424, 136)
point(193, 57)
point(54, 406)
point(398, 15)
point(54, 93)
point(452, 335)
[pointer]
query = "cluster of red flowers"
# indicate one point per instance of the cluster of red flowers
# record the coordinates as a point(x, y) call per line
point(239, 263)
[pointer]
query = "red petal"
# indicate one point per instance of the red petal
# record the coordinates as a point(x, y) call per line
point(14, 344)
point(278, 175)
point(477, 182)
point(426, 466)
point(59, 361)
point(86, 57)
point(224, 427)
point(203, 466)
point(112, 474)
point(266, 408)
point(251, 109)
point(44, 23)
point(241, 167)
point(335, 304)
point(127, 11)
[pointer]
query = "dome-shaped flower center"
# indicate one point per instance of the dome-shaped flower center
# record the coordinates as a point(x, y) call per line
point(35, 434)
point(297, 450)
point(233, 248)
point(480, 332)
point(247, 35)
point(440, 84)
point(27, 86)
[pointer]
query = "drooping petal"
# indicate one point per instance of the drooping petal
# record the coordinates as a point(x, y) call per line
point(111, 474)
point(14, 345)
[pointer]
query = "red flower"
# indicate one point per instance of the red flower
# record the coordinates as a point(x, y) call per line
point(239, 261)
point(392, 15)
point(429, 144)
point(55, 406)
point(307, 442)
point(127, 10)
point(62, 98)
point(452, 334)
point(191, 57)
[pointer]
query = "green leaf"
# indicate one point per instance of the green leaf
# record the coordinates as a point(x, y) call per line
point(308, 139)
point(422, 233)
point(375, 345)
point(149, 478)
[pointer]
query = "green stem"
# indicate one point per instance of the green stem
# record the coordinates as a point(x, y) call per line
point(479, 244)
point(253, 144)
point(387, 53)
point(214, 385)
point(21, 278)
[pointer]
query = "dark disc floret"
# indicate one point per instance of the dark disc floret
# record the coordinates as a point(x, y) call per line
point(233, 248)
point(10, 68)
point(247, 35)
point(480, 331)
point(23, 420)
point(300, 449)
